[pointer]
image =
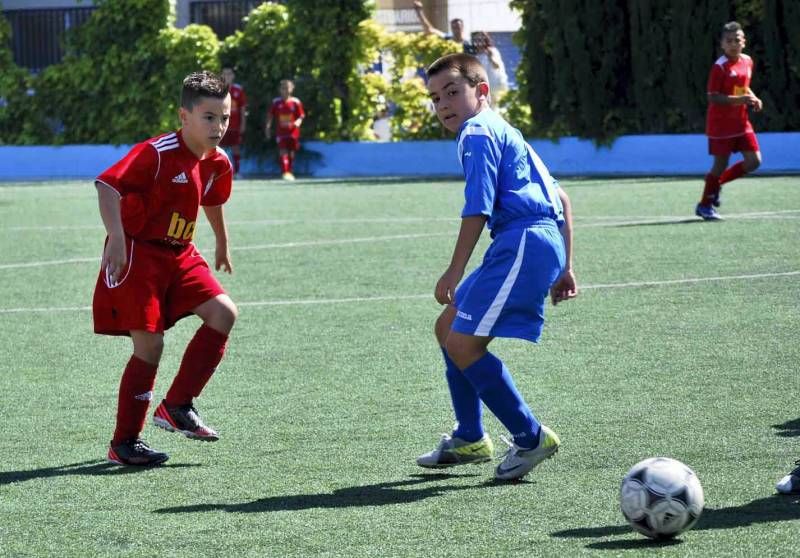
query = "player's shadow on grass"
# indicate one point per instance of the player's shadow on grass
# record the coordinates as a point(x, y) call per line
point(381, 494)
point(649, 223)
point(764, 510)
point(92, 467)
point(788, 429)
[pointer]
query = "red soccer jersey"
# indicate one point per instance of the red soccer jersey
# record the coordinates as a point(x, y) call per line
point(285, 112)
point(163, 184)
point(729, 78)
point(238, 106)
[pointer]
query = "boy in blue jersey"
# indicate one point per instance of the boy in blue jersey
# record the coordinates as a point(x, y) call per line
point(508, 189)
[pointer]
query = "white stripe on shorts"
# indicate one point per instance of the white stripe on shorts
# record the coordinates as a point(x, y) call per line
point(487, 322)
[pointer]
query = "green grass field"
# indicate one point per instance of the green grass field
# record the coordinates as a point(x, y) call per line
point(683, 342)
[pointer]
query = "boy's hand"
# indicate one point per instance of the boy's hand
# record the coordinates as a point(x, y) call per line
point(222, 259)
point(446, 286)
point(115, 259)
point(267, 133)
point(757, 104)
point(565, 288)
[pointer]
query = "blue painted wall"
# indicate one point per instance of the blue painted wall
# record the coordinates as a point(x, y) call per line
point(629, 156)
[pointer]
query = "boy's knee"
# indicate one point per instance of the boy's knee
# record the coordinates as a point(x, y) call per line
point(224, 316)
point(462, 352)
point(148, 347)
point(444, 322)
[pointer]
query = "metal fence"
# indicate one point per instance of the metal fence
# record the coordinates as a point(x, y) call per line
point(223, 16)
point(37, 36)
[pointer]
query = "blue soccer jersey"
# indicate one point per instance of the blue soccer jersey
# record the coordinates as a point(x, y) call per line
point(508, 183)
point(505, 179)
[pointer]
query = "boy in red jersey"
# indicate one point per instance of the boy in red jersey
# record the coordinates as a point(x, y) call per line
point(727, 124)
point(238, 121)
point(152, 275)
point(288, 112)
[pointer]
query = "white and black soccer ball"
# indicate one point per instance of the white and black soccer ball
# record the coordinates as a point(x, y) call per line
point(661, 497)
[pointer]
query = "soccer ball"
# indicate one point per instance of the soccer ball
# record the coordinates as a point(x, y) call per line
point(661, 497)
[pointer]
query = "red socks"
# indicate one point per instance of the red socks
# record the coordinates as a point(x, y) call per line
point(710, 190)
point(135, 393)
point(199, 362)
point(732, 173)
point(285, 164)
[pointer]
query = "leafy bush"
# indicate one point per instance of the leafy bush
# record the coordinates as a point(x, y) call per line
point(18, 122)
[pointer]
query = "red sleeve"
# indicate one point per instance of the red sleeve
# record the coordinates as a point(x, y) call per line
point(134, 173)
point(300, 112)
point(715, 79)
point(220, 189)
point(242, 98)
point(273, 109)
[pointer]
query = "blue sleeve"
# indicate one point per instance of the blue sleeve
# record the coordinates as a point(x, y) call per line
point(480, 159)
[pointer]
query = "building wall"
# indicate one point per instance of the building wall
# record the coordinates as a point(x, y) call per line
point(628, 156)
point(41, 4)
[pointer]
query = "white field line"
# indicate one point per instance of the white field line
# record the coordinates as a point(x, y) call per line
point(337, 241)
point(330, 242)
point(301, 243)
point(429, 296)
point(580, 221)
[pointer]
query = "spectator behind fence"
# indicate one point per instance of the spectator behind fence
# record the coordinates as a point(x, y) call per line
point(456, 26)
point(492, 61)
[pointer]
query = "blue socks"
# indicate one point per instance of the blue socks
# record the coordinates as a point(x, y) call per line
point(466, 403)
point(492, 382)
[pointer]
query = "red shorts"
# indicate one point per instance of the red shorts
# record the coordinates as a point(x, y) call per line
point(288, 143)
point(726, 146)
point(160, 285)
point(232, 137)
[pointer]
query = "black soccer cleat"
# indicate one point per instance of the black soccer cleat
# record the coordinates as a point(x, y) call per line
point(135, 452)
point(185, 420)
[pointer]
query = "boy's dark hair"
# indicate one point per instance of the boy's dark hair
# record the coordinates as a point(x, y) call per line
point(465, 64)
point(202, 84)
point(731, 27)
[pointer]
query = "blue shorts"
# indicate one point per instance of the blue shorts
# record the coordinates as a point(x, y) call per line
point(505, 295)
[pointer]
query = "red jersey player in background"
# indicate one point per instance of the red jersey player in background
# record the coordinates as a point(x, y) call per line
point(152, 275)
point(238, 121)
point(288, 112)
point(727, 124)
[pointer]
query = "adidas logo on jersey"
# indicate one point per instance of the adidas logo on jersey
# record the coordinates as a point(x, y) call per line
point(180, 179)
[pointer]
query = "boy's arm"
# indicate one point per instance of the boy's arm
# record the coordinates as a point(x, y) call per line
point(566, 286)
point(722, 99)
point(468, 235)
point(222, 254)
point(428, 28)
point(114, 255)
point(268, 125)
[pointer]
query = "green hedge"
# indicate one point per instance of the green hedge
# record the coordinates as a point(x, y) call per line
point(603, 68)
point(589, 68)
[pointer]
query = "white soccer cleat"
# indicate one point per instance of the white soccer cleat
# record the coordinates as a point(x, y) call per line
point(518, 462)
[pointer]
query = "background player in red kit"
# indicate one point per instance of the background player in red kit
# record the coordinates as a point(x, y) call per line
point(152, 275)
point(238, 121)
point(727, 123)
point(288, 112)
